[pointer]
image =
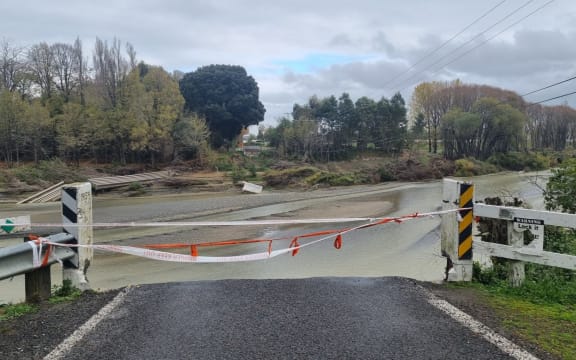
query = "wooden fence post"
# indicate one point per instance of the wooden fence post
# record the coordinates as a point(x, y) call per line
point(515, 239)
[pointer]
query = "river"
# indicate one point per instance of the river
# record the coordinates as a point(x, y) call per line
point(410, 249)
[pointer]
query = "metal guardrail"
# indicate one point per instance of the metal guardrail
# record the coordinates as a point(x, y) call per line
point(18, 259)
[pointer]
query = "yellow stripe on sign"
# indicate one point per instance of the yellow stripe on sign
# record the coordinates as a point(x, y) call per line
point(466, 197)
point(466, 221)
point(464, 247)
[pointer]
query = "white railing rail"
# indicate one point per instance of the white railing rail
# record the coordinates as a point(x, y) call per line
point(519, 220)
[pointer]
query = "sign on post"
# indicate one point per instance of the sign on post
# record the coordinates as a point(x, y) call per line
point(77, 221)
point(456, 229)
point(535, 227)
point(15, 224)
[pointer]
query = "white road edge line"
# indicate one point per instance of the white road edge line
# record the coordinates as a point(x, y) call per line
point(477, 327)
point(65, 346)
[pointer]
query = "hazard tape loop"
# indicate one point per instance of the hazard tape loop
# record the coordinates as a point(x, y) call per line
point(152, 251)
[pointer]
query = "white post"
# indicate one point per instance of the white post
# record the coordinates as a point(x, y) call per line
point(77, 220)
point(456, 233)
point(515, 239)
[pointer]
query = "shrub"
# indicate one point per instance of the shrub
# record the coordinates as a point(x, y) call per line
point(385, 175)
point(471, 167)
point(332, 179)
point(518, 161)
point(288, 176)
point(47, 172)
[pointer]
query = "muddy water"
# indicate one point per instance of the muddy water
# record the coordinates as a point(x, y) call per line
point(410, 249)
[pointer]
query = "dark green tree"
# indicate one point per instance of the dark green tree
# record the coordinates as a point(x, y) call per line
point(226, 97)
point(419, 125)
point(561, 188)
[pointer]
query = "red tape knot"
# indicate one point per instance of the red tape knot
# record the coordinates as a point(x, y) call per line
point(193, 250)
point(338, 242)
point(47, 255)
point(294, 244)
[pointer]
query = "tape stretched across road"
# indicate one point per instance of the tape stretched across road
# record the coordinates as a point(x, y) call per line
point(184, 258)
point(231, 223)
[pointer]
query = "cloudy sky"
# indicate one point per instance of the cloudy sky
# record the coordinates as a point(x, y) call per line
point(298, 48)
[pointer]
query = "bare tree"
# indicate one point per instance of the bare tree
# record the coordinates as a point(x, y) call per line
point(81, 64)
point(65, 69)
point(111, 69)
point(41, 61)
point(12, 66)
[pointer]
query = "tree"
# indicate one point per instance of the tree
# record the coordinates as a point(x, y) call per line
point(490, 127)
point(561, 188)
point(110, 70)
point(12, 66)
point(155, 104)
point(191, 135)
point(418, 126)
point(12, 109)
point(65, 63)
point(41, 61)
point(226, 97)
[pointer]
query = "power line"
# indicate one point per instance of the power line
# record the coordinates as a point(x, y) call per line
point(434, 51)
point(471, 40)
point(490, 38)
point(549, 86)
point(553, 98)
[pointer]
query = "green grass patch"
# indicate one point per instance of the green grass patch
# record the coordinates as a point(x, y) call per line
point(551, 326)
point(12, 311)
point(65, 292)
point(542, 310)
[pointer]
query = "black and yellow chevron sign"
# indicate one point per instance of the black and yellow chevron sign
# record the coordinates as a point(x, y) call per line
point(465, 225)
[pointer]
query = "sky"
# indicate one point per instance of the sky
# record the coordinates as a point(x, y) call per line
point(295, 49)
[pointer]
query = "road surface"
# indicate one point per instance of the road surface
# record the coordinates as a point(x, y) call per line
point(316, 318)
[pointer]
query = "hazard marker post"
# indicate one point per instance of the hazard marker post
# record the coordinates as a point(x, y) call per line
point(456, 229)
point(77, 220)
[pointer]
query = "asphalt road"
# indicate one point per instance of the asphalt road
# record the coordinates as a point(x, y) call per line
point(316, 318)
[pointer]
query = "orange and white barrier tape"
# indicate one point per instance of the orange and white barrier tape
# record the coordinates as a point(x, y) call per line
point(206, 223)
point(37, 243)
point(294, 247)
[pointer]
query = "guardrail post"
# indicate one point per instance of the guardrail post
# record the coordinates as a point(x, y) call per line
point(456, 230)
point(515, 239)
point(37, 283)
point(77, 220)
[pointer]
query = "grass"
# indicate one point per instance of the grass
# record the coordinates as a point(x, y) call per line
point(541, 311)
point(60, 294)
point(551, 326)
point(12, 311)
point(64, 293)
